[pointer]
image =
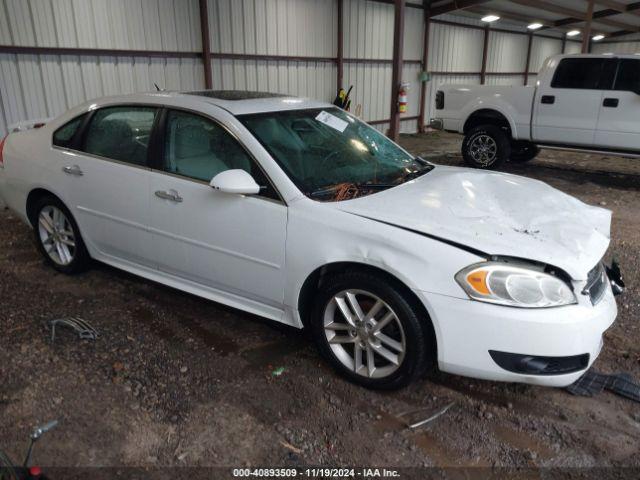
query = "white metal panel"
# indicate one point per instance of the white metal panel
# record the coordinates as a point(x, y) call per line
point(505, 80)
point(455, 49)
point(413, 34)
point(306, 79)
point(573, 47)
point(621, 48)
point(40, 86)
point(507, 52)
point(368, 29)
point(274, 27)
point(113, 24)
point(372, 89)
point(541, 49)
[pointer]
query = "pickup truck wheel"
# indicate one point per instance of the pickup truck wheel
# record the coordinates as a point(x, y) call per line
point(522, 151)
point(486, 147)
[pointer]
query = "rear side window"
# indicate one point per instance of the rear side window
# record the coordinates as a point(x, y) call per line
point(63, 136)
point(121, 133)
point(585, 74)
point(628, 78)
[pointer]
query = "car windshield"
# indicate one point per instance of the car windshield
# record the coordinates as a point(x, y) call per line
point(332, 156)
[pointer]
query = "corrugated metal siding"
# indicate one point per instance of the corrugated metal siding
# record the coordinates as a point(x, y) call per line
point(505, 80)
point(455, 49)
point(34, 86)
point(621, 48)
point(368, 29)
point(114, 24)
point(507, 52)
point(541, 49)
point(39, 86)
point(274, 27)
point(573, 47)
point(305, 79)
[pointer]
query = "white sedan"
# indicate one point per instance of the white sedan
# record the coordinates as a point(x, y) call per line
point(297, 211)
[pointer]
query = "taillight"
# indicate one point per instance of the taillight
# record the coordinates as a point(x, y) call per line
point(1, 148)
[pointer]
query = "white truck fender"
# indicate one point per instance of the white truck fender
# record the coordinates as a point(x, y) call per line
point(494, 103)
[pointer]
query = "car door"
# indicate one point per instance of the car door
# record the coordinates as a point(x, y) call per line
point(108, 182)
point(618, 125)
point(566, 109)
point(226, 242)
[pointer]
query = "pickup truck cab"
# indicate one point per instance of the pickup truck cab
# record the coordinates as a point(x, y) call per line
point(579, 102)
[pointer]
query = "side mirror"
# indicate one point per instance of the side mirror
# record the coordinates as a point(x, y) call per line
point(235, 181)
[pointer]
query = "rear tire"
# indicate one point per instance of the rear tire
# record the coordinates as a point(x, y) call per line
point(394, 340)
point(523, 151)
point(58, 237)
point(486, 147)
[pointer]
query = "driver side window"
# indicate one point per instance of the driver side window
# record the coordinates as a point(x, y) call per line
point(198, 148)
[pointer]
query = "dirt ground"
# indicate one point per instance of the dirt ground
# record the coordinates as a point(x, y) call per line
point(175, 380)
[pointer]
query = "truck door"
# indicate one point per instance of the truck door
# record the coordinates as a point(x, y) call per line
point(618, 125)
point(566, 109)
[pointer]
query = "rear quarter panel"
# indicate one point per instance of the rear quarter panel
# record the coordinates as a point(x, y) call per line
point(513, 102)
point(29, 163)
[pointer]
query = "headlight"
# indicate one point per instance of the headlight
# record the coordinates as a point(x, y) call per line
point(516, 286)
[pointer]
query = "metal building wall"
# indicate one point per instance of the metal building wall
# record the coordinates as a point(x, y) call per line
point(368, 34)
point(41, 86)
point(292, 28)
point(631, 47)
point(38, 86)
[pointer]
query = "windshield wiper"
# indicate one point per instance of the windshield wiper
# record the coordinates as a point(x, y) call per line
point(418, 173)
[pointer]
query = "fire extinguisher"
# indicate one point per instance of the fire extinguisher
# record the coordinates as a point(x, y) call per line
point(402, 98)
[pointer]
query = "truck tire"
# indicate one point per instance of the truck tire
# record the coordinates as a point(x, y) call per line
point(486, 147)
point(522, 151)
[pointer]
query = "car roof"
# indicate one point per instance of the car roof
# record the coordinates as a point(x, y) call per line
point(236, 102)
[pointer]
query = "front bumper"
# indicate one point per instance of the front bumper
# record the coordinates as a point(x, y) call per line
point(467, 330)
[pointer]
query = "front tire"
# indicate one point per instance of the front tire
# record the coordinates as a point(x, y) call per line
point(523, 151)
point(486, 147)
point(58, 237)
point(371, 331)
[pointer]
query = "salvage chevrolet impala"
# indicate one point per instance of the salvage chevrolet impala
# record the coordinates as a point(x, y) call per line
point(297, 211)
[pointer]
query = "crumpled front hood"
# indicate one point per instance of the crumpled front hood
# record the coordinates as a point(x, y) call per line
point(495, 213)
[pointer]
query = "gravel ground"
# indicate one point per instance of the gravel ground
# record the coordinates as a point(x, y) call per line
point(175, 380)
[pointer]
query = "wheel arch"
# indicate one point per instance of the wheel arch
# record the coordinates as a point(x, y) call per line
point(32, 199)
point(306, 295)
point(488, 116)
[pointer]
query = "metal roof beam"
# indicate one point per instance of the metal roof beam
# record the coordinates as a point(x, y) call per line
point(455, 5)
point(576, 16)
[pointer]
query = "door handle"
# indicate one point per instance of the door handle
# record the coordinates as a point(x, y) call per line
point(171, 195)
point(548, 99)
point(611, 102)
point(74, 170)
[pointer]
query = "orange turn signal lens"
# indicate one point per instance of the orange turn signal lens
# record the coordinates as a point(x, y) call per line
point(478, 281)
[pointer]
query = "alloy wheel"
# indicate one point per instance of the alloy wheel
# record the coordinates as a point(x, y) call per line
point(56, 235)
point(364, 333)
point(483, 150)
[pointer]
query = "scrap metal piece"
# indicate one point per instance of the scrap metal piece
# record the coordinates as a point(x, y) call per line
point(432, 417)
point(588, 384)
point(593, 382)
point(623, 385)
point(84, 329)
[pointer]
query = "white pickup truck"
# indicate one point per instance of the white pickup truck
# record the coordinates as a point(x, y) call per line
point(580, 102)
